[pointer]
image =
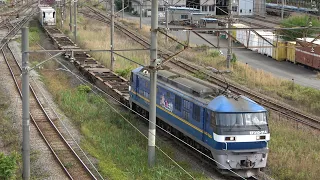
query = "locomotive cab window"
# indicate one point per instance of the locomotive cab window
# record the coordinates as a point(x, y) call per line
point(131, 77)
point(241, 119)
point(53, 14)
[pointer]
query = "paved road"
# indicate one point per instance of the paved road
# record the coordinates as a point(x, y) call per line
point(284, 70)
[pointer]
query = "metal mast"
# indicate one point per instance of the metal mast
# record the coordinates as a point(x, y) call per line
point(112, 34)
point(25, 105)
point(75, 22)
point(229, 34)
point(153, 84)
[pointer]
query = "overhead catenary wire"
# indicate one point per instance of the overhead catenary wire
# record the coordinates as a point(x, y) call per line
point(87, 82)
point(92, 85)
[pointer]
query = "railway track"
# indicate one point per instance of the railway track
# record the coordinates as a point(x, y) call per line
point(68, 154)
point(259, 22)
point(70, 162)
point(284, 110)
point(144, 42)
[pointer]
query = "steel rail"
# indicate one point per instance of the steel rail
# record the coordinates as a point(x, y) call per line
point(42, 123)
point(286, 111)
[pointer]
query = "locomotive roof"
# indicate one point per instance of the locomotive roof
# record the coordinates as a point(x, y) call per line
point(207, 94)
point(243, 104)
point(191, 87)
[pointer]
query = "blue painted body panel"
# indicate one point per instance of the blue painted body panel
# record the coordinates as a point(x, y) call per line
point(175, 115)
point(195, 133)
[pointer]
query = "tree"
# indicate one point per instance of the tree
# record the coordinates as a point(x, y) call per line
point(299, 21)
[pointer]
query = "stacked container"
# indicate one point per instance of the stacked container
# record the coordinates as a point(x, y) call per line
point(308, 56)
point(280, 51)
point(291, 51)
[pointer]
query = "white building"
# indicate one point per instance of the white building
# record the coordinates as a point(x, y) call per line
point(213, 7)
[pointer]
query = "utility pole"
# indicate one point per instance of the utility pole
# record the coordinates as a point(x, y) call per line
point(75, 21)
point(25, 105)
point(62, 12)
point(229, 34)
point(153, 84)
point(141, 2)
point(112, 33)
point(167, 18)
point(122, 9)
point(70, 16)
point(282, 9)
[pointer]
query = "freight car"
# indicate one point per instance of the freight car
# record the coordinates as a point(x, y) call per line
point(275, 9)
point(47, 16)
point(232, 130)
point(269, 44)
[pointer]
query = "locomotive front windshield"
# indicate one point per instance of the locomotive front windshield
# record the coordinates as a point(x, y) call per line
point(240, 119)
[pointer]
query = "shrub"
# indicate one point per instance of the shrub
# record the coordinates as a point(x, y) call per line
point(124, 72)
point(234, 58)
point(83, 89)
point(200, 75)
point(8, 165)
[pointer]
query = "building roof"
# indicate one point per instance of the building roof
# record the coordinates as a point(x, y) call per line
point(183, 8)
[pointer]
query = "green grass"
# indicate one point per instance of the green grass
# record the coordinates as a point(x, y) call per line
point(294, 153)
point(289, 147)
point(10, 164)
point(34, 35)
point(120, 150)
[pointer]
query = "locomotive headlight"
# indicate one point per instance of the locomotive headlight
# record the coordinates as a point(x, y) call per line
point(262, 159)
point(261, 137)
point(230, 138)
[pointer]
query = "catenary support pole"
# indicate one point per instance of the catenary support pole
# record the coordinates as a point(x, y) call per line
point(112, 33)
point(167, 18)
point(122, 9)
point(141, 3)
point(282, 9)
point(75, 21)
point(25, 105)
point(153, 84)
point(70, 16)
point(229, 32)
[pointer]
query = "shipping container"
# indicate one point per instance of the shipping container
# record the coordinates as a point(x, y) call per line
point(265, 47)
point(253, 41)
point(291, 51)
point(309, 54)
point(280, 51)
point(240, 35)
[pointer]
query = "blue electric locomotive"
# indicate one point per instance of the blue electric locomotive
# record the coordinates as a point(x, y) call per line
point(233, 131)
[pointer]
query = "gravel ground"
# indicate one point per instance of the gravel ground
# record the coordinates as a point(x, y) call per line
point(43, 163)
